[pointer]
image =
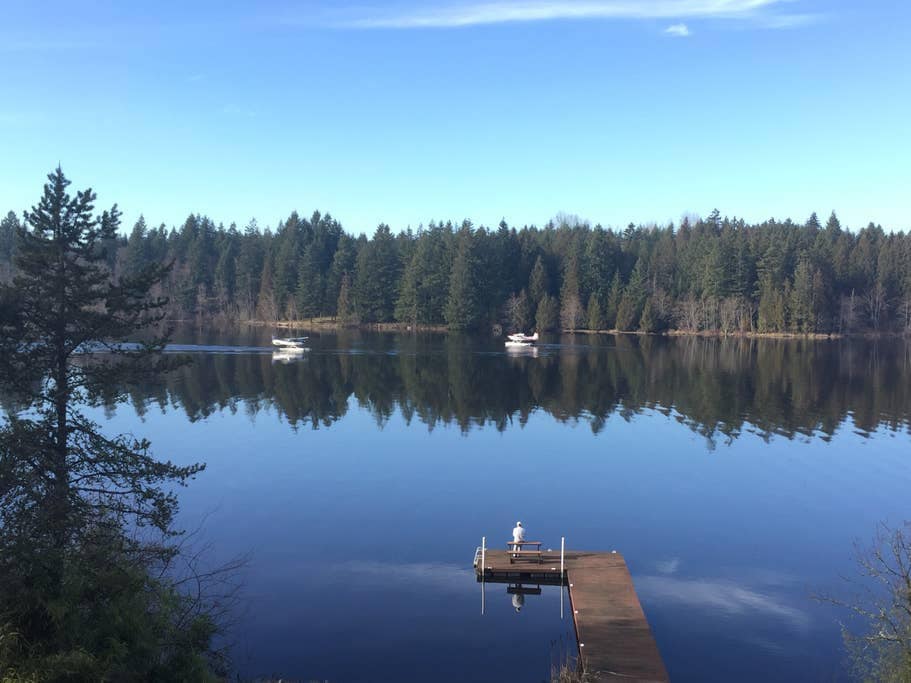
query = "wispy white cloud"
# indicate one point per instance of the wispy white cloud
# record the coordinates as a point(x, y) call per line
point(678, 30)
point(721, 596)
point(668, 566)
point(454, 15)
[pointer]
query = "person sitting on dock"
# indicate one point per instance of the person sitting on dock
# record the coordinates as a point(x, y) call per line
point(518, 535)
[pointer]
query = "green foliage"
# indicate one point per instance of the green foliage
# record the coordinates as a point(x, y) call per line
point(378, 271)
point(572, 314)
point(463, 308)
point(311, 284)
point(287, 252)
point(111, 620)
point(345, 308)
point(547, 317)
point(594, 318)
point(248, 270)
point(614, 297)
point(648, 321)
point(836, 280)
point(82, 598)
point(773, 308)
point(425, 285)
point(518, 312)
point(226, 270)
point(633, 300)
point(538, 282)
point(266, 303)
point(343, 263)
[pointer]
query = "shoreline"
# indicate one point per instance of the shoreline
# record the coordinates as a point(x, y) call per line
point(334, 326)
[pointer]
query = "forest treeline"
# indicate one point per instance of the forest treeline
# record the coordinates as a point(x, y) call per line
point(715, 274)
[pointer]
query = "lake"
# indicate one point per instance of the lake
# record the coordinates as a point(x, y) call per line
point(734, 475)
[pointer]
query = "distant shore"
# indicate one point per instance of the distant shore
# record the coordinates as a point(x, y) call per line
point(331, 324)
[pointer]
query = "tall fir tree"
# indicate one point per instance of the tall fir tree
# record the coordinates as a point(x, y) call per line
point(463, 308)
point(538, 282)
point(378, 277)
point(83, 595)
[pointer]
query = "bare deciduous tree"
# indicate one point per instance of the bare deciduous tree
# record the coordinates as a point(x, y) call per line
point(877, 304)
point(727, 315)
point(882, 605)
point(690, 314)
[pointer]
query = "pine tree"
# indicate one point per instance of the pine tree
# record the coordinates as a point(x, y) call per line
point(266, 305)
point(571, 311)
point(285, 269)
point(9, 226)
point(648, 321)
point(226, 270)
point(344, 261)
point(813, 226)
point(547, 316)
point(538, 283)
point(345, 307)
point(310, 283)
point(378, 277)
point(803, 299)
point(633, 300)
point(425, 284)
point(614, 297)
point(594, 316)
point(78, 585)
point(463, 310)
point(518, 312)
point(600, 264)
point(249, 270)
point(406, 308)
point(137, 253)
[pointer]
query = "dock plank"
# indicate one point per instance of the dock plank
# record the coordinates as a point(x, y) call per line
point(615, 640)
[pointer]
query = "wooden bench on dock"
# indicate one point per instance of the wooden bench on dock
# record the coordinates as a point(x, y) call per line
point(517, 553)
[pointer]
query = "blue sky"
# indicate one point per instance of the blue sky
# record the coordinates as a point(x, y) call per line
point(407, 111)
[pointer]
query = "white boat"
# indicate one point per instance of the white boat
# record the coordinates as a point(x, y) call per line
point(513, 344)
point(290, 343)
point(521, 337)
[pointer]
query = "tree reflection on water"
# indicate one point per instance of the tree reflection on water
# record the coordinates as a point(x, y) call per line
point(718, 387)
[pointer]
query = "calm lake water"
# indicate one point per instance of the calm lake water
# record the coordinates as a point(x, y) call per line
point(735, 477)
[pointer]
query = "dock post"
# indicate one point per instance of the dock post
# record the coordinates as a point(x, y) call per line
point(483, 553)
point(562, 551)
point(483, 571)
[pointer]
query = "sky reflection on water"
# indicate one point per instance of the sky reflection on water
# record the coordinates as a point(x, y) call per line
point(734, 478)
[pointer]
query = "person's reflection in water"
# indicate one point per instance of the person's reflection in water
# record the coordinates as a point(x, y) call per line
point(518, 601)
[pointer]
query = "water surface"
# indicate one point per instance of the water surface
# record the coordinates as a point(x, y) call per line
point(733, 475)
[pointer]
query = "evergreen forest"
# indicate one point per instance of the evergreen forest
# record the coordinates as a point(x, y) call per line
point(714, 274)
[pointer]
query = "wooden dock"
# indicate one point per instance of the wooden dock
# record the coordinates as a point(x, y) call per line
point(615, 641)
